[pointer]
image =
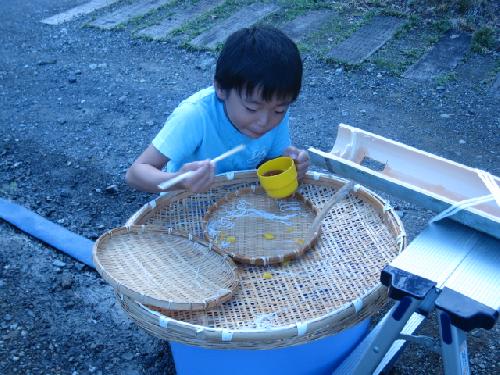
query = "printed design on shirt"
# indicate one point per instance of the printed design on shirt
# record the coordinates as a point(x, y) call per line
point(256, 157)
point(248, 159)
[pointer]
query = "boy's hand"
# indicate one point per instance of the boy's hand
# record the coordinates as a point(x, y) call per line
point(203, 177)
point(301, 158)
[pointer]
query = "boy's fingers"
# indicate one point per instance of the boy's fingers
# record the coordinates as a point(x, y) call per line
point(302, 163)
point(302, 160)
point(303, 157)
point(212, 173)
point(195, 165)
point(291, 151)
point(203, 177)
point(300, 156)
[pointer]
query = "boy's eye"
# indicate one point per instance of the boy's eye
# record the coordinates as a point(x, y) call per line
point(250, 109)
point(279, 112)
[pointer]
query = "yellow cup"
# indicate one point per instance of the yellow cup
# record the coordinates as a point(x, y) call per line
point(278, 177)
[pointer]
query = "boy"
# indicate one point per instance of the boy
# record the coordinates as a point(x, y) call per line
point(258, 75)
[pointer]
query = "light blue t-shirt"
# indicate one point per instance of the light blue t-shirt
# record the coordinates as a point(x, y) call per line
point(199, 129)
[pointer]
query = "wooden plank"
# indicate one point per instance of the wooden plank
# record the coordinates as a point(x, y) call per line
point(442, 58)
point(305, 24)
point(125, 14)
point(365, 41)
point(181, 15)
point(245, 17)
point(80, 10)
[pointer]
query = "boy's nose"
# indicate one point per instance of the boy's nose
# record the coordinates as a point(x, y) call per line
point(263, 120)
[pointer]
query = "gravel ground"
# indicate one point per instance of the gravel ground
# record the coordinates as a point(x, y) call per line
point(77, 105)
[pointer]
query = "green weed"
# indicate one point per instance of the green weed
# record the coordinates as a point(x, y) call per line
point(446, 78)
point(388, 65)
point(442, 25)
point(412, 53)
point(463, 6)
point(483, 40)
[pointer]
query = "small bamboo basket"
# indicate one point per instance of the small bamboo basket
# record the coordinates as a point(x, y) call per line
point(164, 268)
point(330, 288)
point(253, 228)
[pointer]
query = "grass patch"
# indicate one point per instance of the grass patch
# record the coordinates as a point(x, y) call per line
point(337, 30)
point(442, 25)
point(107, 10)
point(387, 65)
point(206, 21)
point(483, 40)
point(427, 20)
point(463, 6)
point(393, 13)
point(412, 53)
point(444, 79)
point(288, 11)
point(303, 5)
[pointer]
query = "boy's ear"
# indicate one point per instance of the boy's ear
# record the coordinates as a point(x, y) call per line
point(221, 93)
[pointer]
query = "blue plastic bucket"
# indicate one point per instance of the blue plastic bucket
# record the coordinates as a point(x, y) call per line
point(314, 358)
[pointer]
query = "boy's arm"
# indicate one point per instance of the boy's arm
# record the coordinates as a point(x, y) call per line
point(146, 173)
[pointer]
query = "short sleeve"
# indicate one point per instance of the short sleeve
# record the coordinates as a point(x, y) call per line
point(181, 134)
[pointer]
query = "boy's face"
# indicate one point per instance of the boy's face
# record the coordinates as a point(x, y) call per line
point(251, 115)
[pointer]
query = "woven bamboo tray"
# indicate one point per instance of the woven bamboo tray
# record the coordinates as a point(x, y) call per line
point(253, 228)
point(332, 287)
point(164, 268)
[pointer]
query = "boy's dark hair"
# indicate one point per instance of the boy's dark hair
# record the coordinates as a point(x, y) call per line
point(261, 57)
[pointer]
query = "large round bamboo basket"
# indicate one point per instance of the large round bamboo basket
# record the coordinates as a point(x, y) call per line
point(330, 288)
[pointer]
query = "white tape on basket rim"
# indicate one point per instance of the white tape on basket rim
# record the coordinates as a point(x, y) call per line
point(152, 203)
point(356, 187)
point(301, 328)
point(316, 175)
point(400, 240)
point(163, 320)
point(230, 175)
point(358, 304)
point(226, 335)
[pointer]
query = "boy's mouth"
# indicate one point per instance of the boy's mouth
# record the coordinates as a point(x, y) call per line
point(254, 134)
